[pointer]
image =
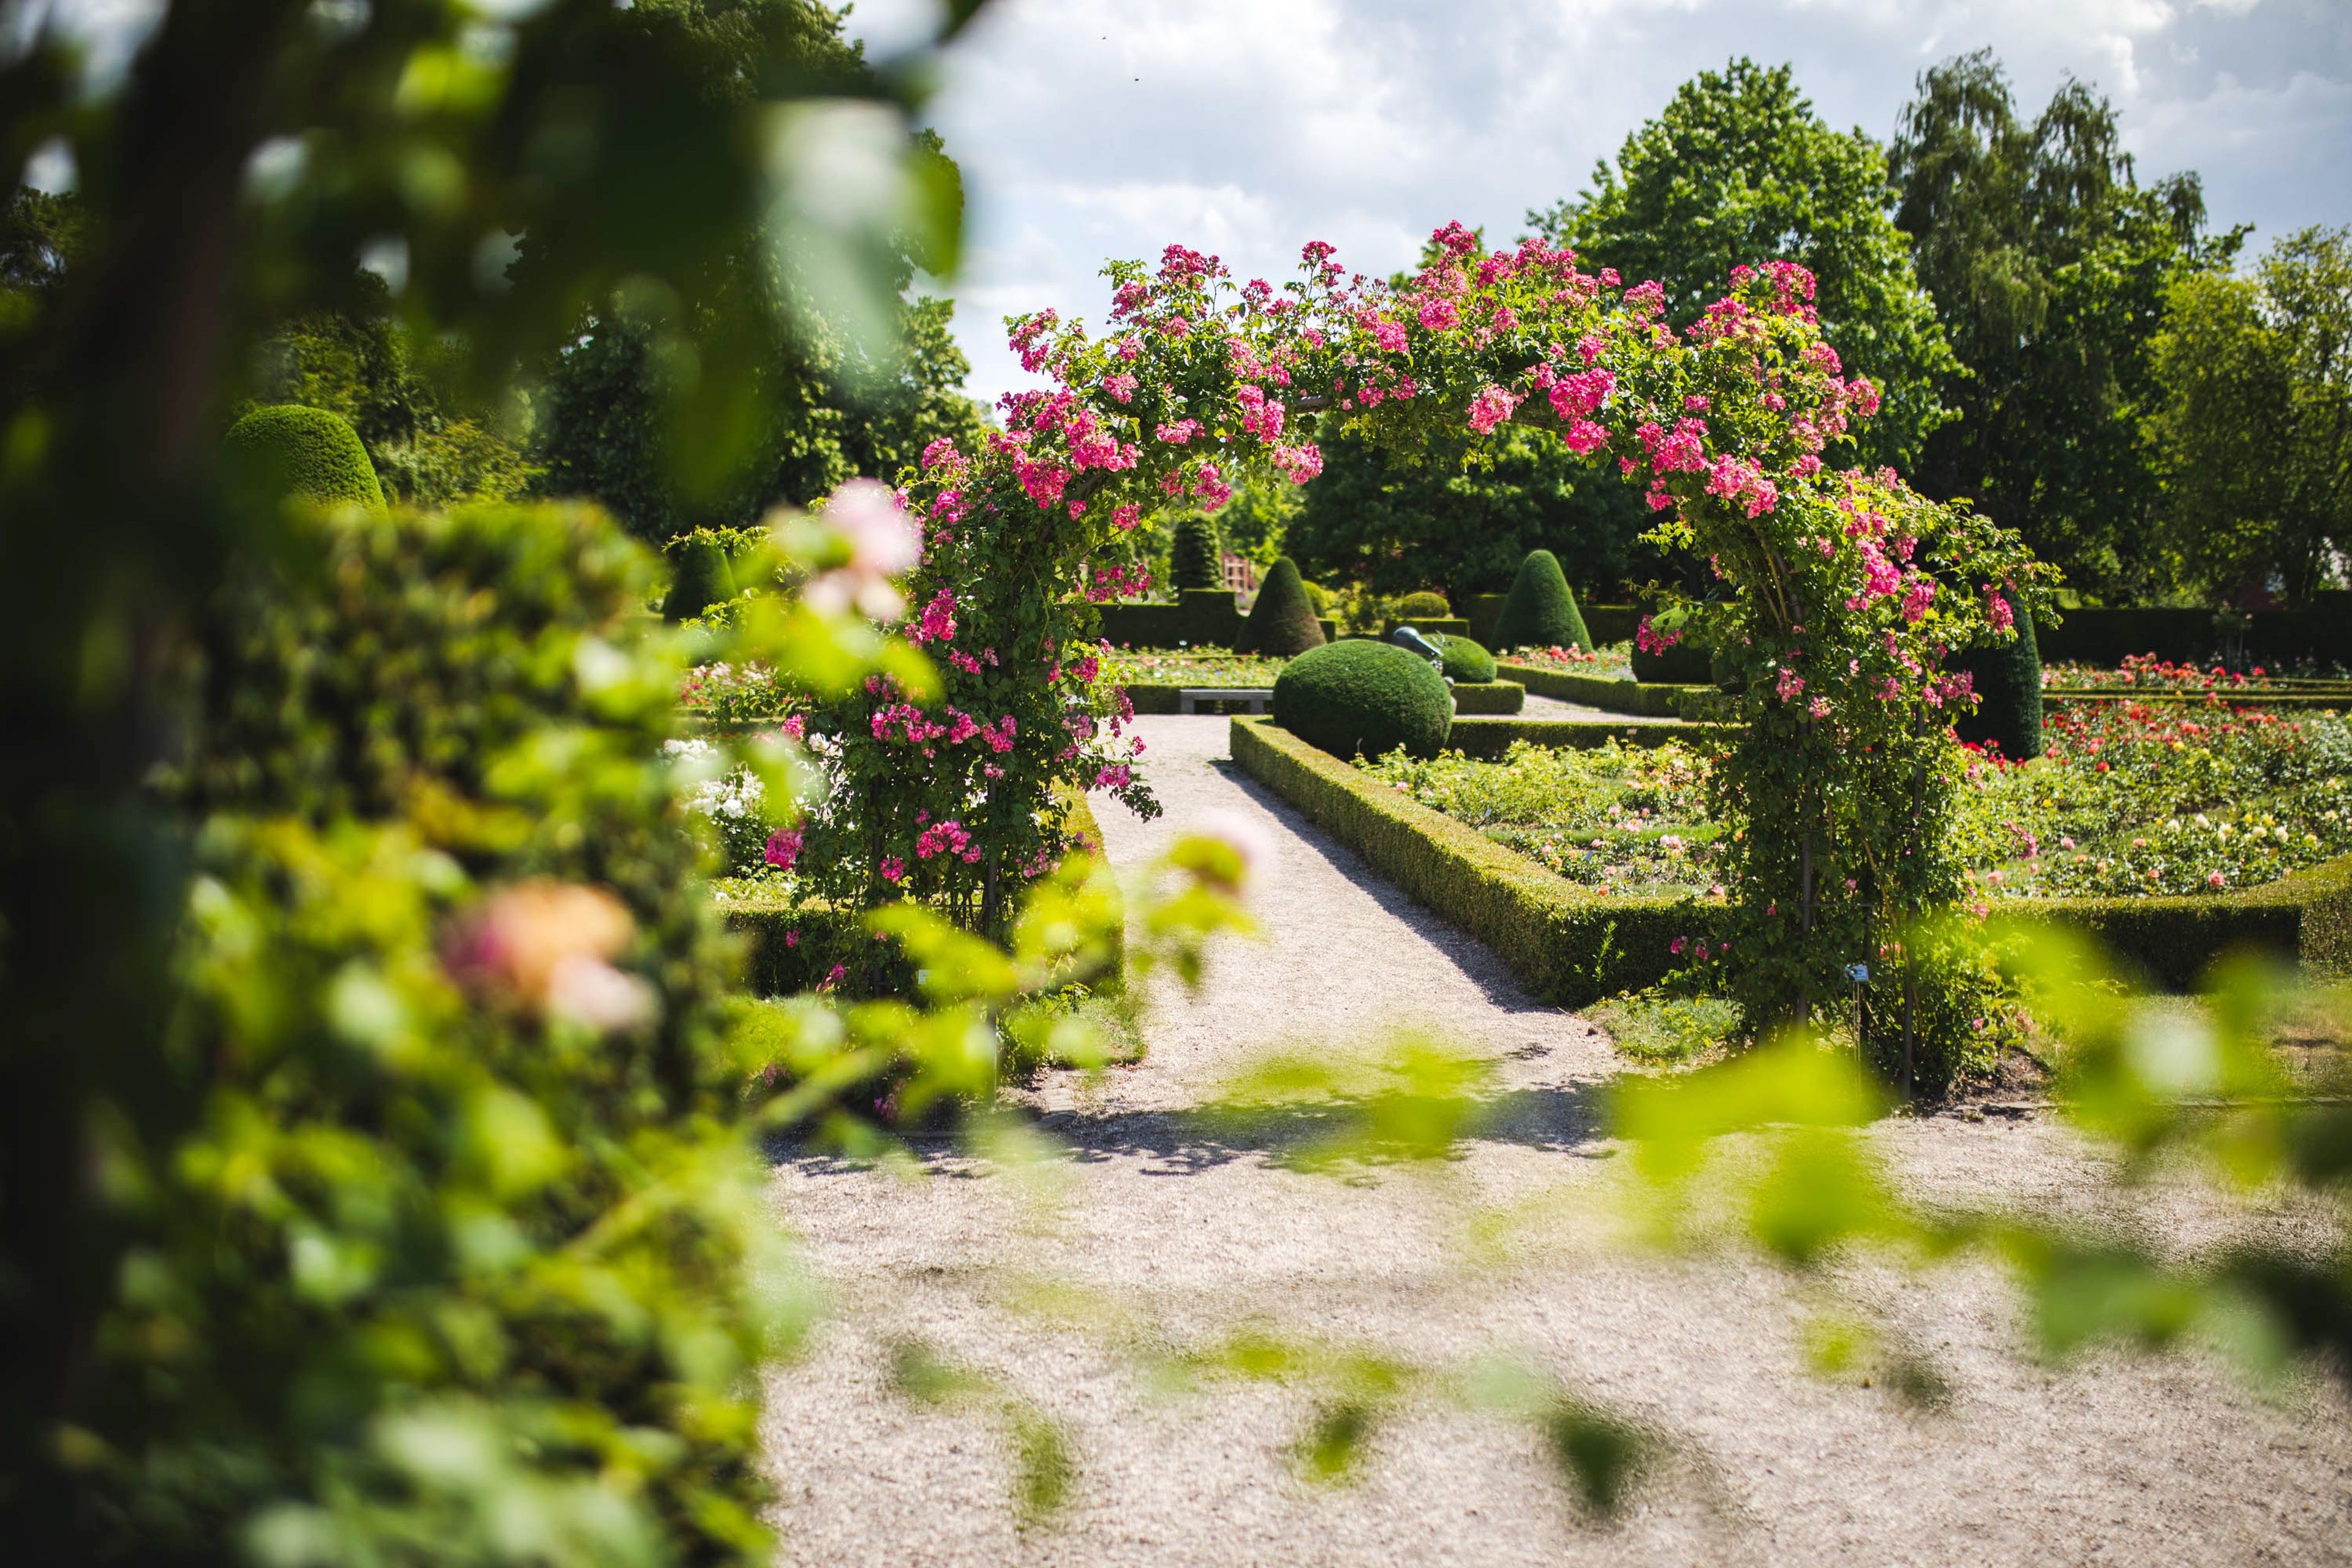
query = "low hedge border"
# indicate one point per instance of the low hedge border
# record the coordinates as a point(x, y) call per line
point(1595, 692)
point(1565, 943)
point(1572, 946)
point(822, 933)
point(1487, 738)
point(1489, 697)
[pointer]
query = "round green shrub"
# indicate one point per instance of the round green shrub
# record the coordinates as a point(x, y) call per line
point(288, 450)
point(1317, 595)
point(1424, 606)
point(1282, 621)
point(703, 580)
point(1465, 660)
point(1363, 698)
point(1196, 557)
point(1540, 611)
point(2008, 692)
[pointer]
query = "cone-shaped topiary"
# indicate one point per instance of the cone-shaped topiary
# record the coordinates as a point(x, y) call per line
point(2008, 692)
point(1425, 605)
point(1541, 609)
point(702, 580)
point(288, 450)
point(1195, 560)
point(1465, 660)
point(1364, 698)
point(1282, 622)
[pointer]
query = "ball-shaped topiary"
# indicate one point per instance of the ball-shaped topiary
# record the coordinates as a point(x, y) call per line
point(1540, 611)
point(1363, 698)
point(1426, 604)
point(288, 450)
point(1282, 621)
point(703, 580)
point(2008, 692)
point(1196, 557)
point(1465, 661)
point(1317, 594)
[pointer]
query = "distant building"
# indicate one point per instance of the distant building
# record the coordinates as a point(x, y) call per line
point(1241, 575)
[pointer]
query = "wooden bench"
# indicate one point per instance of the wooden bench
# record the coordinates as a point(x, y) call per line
point(1259, 698)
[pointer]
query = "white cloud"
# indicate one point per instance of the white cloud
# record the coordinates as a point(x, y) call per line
point(1090, 128)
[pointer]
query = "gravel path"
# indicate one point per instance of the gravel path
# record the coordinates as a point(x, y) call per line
point(1155, 1233)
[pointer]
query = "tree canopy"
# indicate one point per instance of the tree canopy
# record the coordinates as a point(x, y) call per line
point(2048, 263)
point(1738, 169)
point(2250, 431)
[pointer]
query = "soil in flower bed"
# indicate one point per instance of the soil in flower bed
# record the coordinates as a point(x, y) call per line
point(2130, 799)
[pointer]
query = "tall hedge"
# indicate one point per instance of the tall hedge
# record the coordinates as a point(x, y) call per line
point(702, 580)
point(1282, 620)
point(443, 1227)
point(287, 450)
point(1540, 610)
point(2008, 692)
point(1196, 556)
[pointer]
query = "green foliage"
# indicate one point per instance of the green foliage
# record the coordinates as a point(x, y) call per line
point(1462, 515)
point(1541, 610)
point(1657, 1028)
point(1363, 698)
point(1565, 943)
point(1463, 660)
point(1282, 619)
point(1497, 697)
point(1317, 595)
point(1193, 556)
point(2050, 265)
point(2252, 420)
point(2008, 677)
point(440, 1210)
point(702, 579)
point(1651, 700)
point(289, 450)
point(1738, 169)
point(431, 445)
point(334, 1263)
point(1424, 604)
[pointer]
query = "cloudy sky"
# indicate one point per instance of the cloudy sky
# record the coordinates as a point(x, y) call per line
point(1090, 128)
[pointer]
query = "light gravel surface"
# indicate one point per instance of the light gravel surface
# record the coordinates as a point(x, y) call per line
point(1153, 1233)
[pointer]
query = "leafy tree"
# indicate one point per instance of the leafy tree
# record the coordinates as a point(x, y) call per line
point(2048, 263)
point(1466, 518)
point(429, 446)
point(2251, 431)
point(622, 418)
point(1738, 169)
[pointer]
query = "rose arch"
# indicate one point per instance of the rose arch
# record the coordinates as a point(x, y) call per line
point(1843, 593)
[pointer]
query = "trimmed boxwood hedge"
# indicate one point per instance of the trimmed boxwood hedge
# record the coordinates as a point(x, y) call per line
point(1488, 696)
point(1357, 696)
point(1573, 946)
point(1598, 691)
point(292, 449)
point(1566, 944)
point(1540, 609)
point(823, 934)
point(1465, 661)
